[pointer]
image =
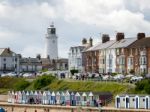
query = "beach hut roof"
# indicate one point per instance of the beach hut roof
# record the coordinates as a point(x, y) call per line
point(16, 93)
point(62, 94)
point(13, 92)
point(58, 93)
point(27, 93)
point(72, 93)
point(67, 93)
point(31, 92)
point(35, 93)
point(19, 93)
point(44, 93)
point(49, 93)
point(90, 94)
point(77, 94)
point(84, 94)
point(53, 93)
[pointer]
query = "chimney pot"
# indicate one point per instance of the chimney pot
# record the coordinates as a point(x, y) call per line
point(105, 38)
point(140, 36)
point(119, 36)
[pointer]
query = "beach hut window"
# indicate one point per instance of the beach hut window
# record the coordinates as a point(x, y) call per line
point(123, 99)
point(133, 99)
point(143, 100)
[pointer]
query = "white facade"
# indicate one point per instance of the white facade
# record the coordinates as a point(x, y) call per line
point(51, 46)
point(75, 58)
point(110, 60)
point(9, 61)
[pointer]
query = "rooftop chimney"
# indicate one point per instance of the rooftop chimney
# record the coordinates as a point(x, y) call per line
point(140, 36)
point(119, 36)
point(91, 42)
point(105, 38)
point(84, 41)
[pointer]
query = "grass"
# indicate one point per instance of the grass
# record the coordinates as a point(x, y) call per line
point(72, 85)
point(114, 87)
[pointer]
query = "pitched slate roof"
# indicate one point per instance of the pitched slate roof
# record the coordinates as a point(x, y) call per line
point(145, 42)
point(101, 45)
point(123, 43)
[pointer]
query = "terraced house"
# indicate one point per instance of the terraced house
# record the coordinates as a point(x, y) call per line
point(139, 55)
point(121, 55)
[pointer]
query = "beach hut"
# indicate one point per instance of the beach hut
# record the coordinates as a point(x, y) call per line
point(13, 97)
point(16, 97)
point(78, 99)
point(19, 97)
point(131, 101)
point(67, 98)
point(122, 101)
point(40, 95)
point(58, 98)
point(9, 97)
point(91, 99)
point(27, 97)
point(45, 98)
point(62, 98)
point(24, 97)
point(117, 101)
point(72, 99)
point(84, 99)
point(142, 101)
point(147, 102)
point(53, 98)
point(36, 97)
point(49, 97)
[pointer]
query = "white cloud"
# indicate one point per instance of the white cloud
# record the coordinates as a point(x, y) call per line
point(27, 23)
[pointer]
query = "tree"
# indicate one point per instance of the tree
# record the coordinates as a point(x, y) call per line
point(73, 71)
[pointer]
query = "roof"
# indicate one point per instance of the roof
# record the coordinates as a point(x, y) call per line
point(30, 61)
point(145, 42)
point(6, 52)
point(123, 43)
point(101, 45)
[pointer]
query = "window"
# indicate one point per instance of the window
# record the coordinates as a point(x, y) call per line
point(4, 59)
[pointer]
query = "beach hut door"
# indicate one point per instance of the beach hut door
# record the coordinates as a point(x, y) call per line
point(137, 103)
point(146, 103)
point(127, 102)
point(118, 102)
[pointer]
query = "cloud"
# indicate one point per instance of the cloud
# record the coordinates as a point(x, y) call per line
point(24, 23)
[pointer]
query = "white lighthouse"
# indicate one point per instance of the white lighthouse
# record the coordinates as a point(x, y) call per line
point(51, 47)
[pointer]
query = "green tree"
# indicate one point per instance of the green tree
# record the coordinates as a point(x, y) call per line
point(43, 81)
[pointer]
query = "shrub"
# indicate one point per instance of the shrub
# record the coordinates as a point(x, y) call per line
point(43, 81)
point(73, 71)
point(21, 85)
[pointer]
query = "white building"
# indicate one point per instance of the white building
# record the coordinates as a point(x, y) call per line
point(75, 58)
point(9, 61)
point(51, 47)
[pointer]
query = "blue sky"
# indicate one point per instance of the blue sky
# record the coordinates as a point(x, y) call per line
point(23, 23)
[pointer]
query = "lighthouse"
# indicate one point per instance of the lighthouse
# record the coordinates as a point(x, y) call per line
point(51, 47)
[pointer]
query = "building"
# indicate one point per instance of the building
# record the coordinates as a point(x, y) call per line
point(76, 55)
point(51, 46)
point(119, 48)
point(30, 65)
point(9, 61)
point(139, 55)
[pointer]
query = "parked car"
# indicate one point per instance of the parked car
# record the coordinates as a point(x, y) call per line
point(136, 78)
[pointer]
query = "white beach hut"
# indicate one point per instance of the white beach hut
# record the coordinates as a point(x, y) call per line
point(78, 99)
point(58, 98)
